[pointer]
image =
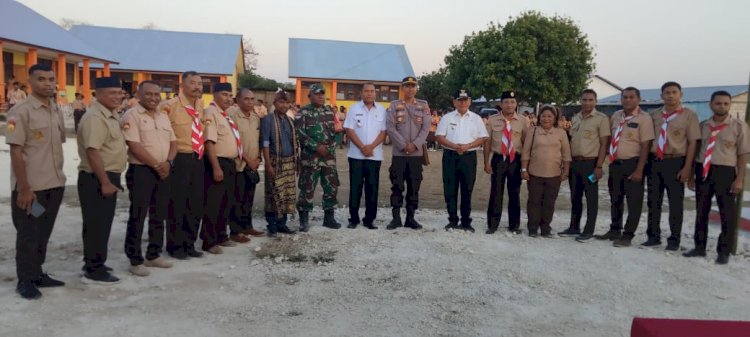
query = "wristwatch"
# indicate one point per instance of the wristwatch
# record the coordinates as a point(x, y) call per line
point(524, 170)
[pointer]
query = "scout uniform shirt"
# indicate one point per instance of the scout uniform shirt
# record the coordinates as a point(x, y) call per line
point(182, 122)
point(461, 129)
point(100, 130)
point(367, 124)
point(680, 131)
point(408, 123)
point(635, 131)
point(495, 126)
point(732, 141)
point(218, 130)
point(38, 127)
point(153, 133)
point(585, 133)
point(249, 126)
point(315, 126)
point(550, 150)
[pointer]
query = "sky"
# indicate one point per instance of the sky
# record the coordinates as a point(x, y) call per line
point(636, 42)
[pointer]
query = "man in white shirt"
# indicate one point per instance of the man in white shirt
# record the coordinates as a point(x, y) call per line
point(460, 132)
point(365, 128)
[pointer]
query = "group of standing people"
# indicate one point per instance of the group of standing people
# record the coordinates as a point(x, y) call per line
point(192, 170)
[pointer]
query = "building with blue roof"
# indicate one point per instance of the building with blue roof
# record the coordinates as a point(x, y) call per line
point(342, 67)
point(28, 38)
point(161, 56)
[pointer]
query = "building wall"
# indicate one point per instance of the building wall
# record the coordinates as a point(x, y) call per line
point(739, 106)
point(603, 89)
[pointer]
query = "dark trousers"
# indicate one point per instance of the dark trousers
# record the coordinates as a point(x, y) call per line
point(363, 173)
point(459, 172)
point(541, 204)
point(504, 172)
point(719, 184)
point(97, 212)
point(77, 115)
point(405, 171)
point(148, 194)
point(661, 175)
point(240, 217)
point(580, 185)
point(620, 187)
point(219, 198)
point(185, 208)
point(32, 233)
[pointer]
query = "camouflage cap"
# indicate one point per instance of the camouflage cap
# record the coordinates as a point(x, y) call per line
point(317, 88)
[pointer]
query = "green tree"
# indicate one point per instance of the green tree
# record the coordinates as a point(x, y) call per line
point(544, 59)
point(254, 81)
point(434, 89)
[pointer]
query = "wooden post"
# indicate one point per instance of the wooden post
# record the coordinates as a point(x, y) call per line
point(736, 229)
point(334, 85)
point(107, 73)
point(86, 81)
point(31, 58)
point(298, 92)
point(61, 78)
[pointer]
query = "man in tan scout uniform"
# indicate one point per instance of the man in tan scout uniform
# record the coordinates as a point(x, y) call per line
point(632, 133)
point(670, 163)
point(35, 133)
point(719, 170)
point(589, 138)
point(223, 146)
point(152, 146)
point(507, 131)
point(248, 123)
point(101, 148)
point(186, 179)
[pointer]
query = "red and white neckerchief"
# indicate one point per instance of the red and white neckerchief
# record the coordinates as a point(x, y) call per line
point(506, 147)
point(196, 137)
point(616, 137)
point(662, 142)
point(235, 129)
point(710, 148)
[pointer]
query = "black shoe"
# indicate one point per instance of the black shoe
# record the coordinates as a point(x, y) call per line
point(570, 232)
point(534, 234)
point(28, 290)
point(491, 231)
point(451, 225)
point(468, 228)
point(286, 230)
point(611, 235)
point(396, 222)
point(370, 226)
point(100, 277)
point(304, 221)
point(105, 267)
point(351, 225)
point(179, 255)
point(191, 252)
point(584, 238)
point(695, 252)
point(722, 259)
point(547, 235)
point(329, 221)
point(47, 282)
point(516, 231)
point(652, 242)
point(673, 246)
point(623, 242)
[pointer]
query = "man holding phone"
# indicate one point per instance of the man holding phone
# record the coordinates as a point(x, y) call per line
point(35, 133)
point(589, 136)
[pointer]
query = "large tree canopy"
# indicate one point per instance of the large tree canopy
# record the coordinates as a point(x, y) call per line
point(544, 59)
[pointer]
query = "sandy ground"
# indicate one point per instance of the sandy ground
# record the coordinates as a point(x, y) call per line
point(376, 283)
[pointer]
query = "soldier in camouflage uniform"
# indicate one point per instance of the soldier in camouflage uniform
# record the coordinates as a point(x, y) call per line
point(315, 132)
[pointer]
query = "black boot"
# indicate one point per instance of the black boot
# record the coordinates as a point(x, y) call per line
point(396, 222)
point(466, 225)
point(410, 222)
point(304, 221)
point(329, 221)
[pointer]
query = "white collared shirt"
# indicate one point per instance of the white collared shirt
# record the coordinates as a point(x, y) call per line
point(461, 129)
point(367, 124)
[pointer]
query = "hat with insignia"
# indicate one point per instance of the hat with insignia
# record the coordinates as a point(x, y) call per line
point(222, 87)
point(409, 80)
point(317, 88)
point(508, 94)
point(461, 94)
point(107, 82)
